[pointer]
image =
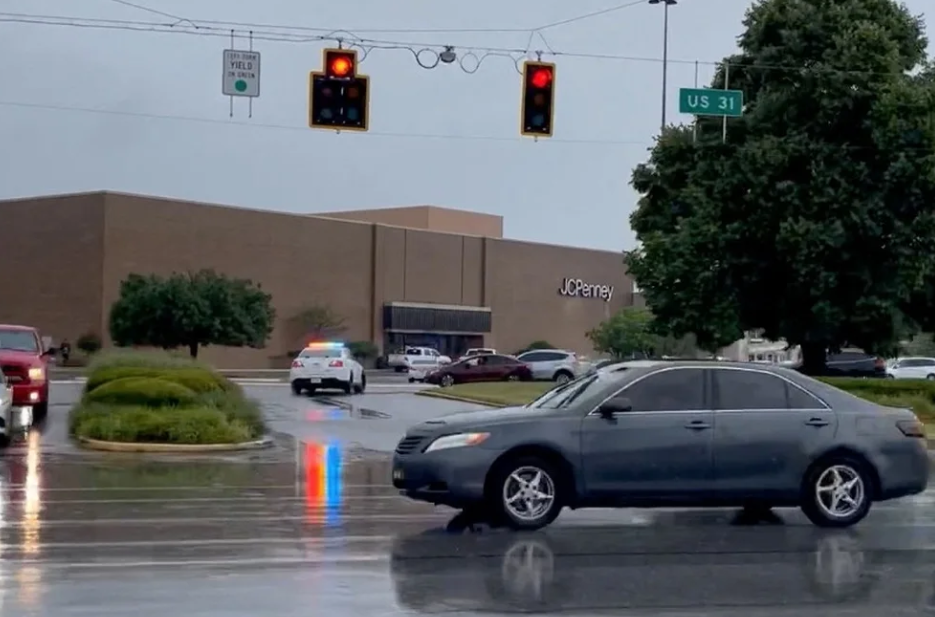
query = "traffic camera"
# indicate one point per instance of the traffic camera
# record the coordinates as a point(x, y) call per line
point(338, 95)
point(538, 110)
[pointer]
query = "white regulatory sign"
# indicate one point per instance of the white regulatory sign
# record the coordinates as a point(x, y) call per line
point(241, 73)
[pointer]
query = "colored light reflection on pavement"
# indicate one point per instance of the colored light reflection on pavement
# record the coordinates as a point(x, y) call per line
point(323, 481)
point(333, 413)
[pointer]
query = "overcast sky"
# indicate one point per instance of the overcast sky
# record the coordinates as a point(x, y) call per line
point(443, 136)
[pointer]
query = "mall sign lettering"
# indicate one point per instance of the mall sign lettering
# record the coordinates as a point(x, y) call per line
point(577, 288)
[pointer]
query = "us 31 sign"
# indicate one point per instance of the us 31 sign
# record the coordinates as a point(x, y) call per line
point(577, 288)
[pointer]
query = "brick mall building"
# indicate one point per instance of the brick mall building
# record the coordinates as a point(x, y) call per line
point(419, 275)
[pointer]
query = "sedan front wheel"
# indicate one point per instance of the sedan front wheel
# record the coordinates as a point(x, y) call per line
point(527, 493)
point(447, 381)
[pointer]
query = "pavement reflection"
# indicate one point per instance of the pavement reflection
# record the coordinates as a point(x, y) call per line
point(314, 527)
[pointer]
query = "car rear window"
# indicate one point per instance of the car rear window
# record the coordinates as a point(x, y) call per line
point(320, 353)
point(19, 340)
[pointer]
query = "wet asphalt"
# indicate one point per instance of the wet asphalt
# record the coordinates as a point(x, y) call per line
point(312, 527)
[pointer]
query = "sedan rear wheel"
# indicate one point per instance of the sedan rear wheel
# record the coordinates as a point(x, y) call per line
point(527, 493)
point(837, 493)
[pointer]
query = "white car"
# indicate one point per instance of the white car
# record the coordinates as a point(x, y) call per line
point(424, 359)
point(912, 368)
point(6, 410)
point(327, 366)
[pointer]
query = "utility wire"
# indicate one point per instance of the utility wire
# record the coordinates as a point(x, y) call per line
point(643, 143)
point(255, 26)
point(201, 120)
point(306, 36)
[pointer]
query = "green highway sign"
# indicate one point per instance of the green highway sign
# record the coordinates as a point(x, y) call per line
point(709, 102)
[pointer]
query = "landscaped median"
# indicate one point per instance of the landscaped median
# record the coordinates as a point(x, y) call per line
point(919, 395)
point(158, 402)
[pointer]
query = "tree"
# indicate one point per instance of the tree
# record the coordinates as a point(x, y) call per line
point(318, 322)
point(191, 310)
point(626, 334)
point(814, 222)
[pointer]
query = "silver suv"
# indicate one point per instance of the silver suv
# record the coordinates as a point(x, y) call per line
point(552, 364)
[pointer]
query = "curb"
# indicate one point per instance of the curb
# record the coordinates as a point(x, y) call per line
point(461, 399)
point(119, 446)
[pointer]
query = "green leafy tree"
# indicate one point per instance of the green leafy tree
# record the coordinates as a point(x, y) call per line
point(628, 333)
point(814, 220)
point(191, 310)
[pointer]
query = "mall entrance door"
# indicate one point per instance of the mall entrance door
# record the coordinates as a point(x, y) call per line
point(451, 345)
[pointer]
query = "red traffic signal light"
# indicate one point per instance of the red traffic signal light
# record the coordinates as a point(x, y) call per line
point(340, 63)
point(538, 111)
point(541, 77)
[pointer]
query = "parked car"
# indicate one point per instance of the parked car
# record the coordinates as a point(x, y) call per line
point(24, 361)
point(553, 364)
point(477, 351)
point(327, 365)
point(912, 368)
point(416, 358)
point(647, 437)
point(848, 363)
point(490, 367)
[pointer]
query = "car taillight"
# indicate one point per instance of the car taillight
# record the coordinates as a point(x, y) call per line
point(336, 363)
point(911, 428)
point(879, 363)
point(297, 364)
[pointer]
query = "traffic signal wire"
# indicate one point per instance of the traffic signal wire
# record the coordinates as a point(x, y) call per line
point(477, 52)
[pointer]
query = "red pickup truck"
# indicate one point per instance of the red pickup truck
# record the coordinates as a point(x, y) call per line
point(24, 362)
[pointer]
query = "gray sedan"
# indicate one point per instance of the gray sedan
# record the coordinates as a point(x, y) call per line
point(670, 434)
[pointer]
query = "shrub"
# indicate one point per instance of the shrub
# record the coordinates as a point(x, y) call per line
point(89, 343)
point(143, 391)
point(363, 350)
point(196, 379)
point(238, 409)
point(139, 424)
point(143, 359)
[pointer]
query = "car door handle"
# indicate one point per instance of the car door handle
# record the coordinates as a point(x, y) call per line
point(698, 425)
point(816, 422)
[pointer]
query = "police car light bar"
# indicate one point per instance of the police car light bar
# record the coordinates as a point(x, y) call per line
point(323, 345)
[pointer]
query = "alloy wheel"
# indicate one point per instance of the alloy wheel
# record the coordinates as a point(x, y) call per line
point(528, 493)
point(840, 492)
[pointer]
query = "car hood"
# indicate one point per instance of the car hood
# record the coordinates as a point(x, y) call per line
point(485, 417)
point(19, 357)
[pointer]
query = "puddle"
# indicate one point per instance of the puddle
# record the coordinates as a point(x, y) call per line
point(323, 409)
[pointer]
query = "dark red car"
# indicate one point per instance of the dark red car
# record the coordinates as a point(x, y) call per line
point(488, 367)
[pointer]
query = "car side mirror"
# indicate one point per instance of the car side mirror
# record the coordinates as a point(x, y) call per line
point(618, 404)
point(51, 351)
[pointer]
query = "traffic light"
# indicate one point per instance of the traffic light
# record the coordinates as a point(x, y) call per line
point(538, 99)
point(338, 96)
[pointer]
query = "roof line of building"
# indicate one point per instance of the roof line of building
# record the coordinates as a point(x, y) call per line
point(105, 193)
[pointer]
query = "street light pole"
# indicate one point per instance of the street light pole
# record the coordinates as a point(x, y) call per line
point(665, 55)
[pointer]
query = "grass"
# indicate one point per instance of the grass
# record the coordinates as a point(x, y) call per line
point(497, 393)
point(918, 396)
point(177, 402)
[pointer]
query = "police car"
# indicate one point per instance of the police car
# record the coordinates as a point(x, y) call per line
point(326, 366)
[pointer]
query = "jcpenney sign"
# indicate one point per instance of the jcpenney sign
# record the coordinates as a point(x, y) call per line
point(577, 288)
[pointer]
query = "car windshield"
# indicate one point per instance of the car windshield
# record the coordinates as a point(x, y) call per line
point(566, 394)
point(18, 340)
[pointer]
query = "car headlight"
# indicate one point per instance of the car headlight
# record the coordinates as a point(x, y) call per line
point(37, 374)
point(457, 441)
